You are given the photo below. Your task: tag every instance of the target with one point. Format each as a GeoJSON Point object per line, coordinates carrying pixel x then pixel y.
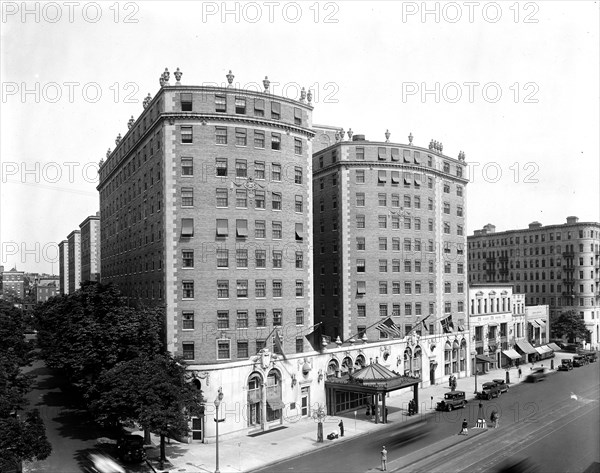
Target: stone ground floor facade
{"type": "Point", "coordinates": [269, 391]}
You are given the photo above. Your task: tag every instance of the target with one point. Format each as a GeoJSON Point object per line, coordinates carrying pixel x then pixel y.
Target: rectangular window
{"type": "Point", "coordinates": [277, 288]}
{"type": "Point", "coordinates": [407, 308]}
{"type": "Point", "coordinates": [259, 229]}
{"type": "Point", "coordinates": [222, 258]}
{"type": "Point", "coordinates": [297, 116]}
{"type": "Point", "coordinates": [221, 135]}
{"type": "Point", "coordinates": [277, 259]}
{"type": "Point", "coordinates": [187, 227]}
{"type": "Point", "coordinates": [360, 221]}
{"type": "Point", "coordinates": [261, 318]}
{"type": "Point", "coordinates": [240, 105]}
{"type": "Point", "coordinates": [383, 265]}
{"type": "Point", "coordinates": [297, 146]}
{"type": "Point", "coordinates": [241, 257]}
{"type": "Point", "coordinates": [299, 260]}
{"type": "Point", "coordinates": [223, 352]}
{"type": "Point", "coordinates": [276, 201]}
{"type": "Point", "coordinates": [188, 319]}
{"type": "Point", "coordinates": [382, 219]}
{"type": "Point", "coordinates": [275, 110]}
{"type": "Point", "coordinates": [259, 107]}
{"type": "Point", "coordinates": [242, 288]}
{"type": "Point", "coordinates": [382, 199]}
{"type": "Point", "coordinates": [275, 141]}
{"type": "Point", "coordinates": [221, 103]}
{"type": "Point", "coordinates": [187, 257]}
{"type": "Point", "coordinates": [186, 101]}
{"type": "Point", "coordinates": [298, 175]}
{"type": "Point", "coordinates": [277, 230]}
{"type": "Point", "coordinates": [187, 197]}
{"type": "Point", "coordinates": [186, 134]}
{"type": "Point", "coordinates": [383, 287]}
{"type": "Point", "coordinates": [242, 349]}
{"type": "Point", "coordinates": [222, 197]}
{"type": "Point", "coordinates": [259, 139]}
{"type": "Point", "coordinates": [298, 204]}
{"type": "Point", "coordinates": [259, 199]}
{"type": "Point", "coordinates": [241, 168]}
{"type": "Point", "coordinates": [277, 317]}
{"type": "Point", "coordinates": [381, 177]}
{"type": "Point", "coordinates": [360, 153]}
{"type": "Point", "coordinates": [299, 316]}
{"type": "Point", "coordinates": [360, 199]}
{"type": "Point", "coordinates": [395, 265]}
{"type": "Point", "coordinates": [241, 198]}
{"type": "Point", "coordinates": [299, 288]}
{"type": "Point", "coordinates": [260, 257]}
{"type": "Point", "coordinates": [188, 289]}
{"type": "Point", "coordinates": [242, 319]}
{"type": "Point", "coordinates": [187, 166]}
{"type": "Point", "coordinates": [276, 172]}
{"type": "Point", "coordinates": [381, 154]}
{"type": "Point", "coordinates": [222, 289]}
{"type": "Point", "coordinates": [240, 136]}
{"type": "Point", "coordinates": [221, 166]}
{"type": "Point", "coordinates": [188, 350]}
{"type": "Point", "coordinates": [360, 177]}
{"type": "Point", "coordinates": [360, 243]}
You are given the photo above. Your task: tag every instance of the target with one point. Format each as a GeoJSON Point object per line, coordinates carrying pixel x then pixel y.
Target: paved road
{"type": "Point", "coordinates": [69, 429]}
{"type": "Point", "coordinates": [554, 424]}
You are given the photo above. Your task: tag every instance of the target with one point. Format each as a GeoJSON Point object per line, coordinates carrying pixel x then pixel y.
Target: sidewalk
{"type": "Point", "coordinates": [245, 453]}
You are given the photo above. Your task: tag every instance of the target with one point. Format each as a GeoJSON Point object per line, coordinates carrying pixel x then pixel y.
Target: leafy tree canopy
{"type": "Point", "coordinates": [571, 325]}
{"type": "Point", "coordinates": [24, 439]}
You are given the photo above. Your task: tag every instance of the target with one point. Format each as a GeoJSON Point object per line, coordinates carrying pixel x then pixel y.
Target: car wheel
{"type": "Point", "coordinates": [463, 404]}
{"type": "Point", "coordinates": [449, 408]}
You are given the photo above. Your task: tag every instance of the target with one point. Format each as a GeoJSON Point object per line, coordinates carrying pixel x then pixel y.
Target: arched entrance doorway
{"type": "Point", "coordinates": [255, 382]}
{"type": "Point", "coordinates": [274, 403]}
{"type": "Point", "coordinates": [407, 362]}
{"type": "Point", "coordinates": [417, 359]}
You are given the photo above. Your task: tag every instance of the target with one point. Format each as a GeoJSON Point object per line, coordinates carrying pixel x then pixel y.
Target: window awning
{"type": "Point", "coordinates": [222, 227]}
{"type": "Point", "coordinates": [382, 176]}
{"type": "Point", "coordinates": [525, 347]}
{"type": "Point", "coordinates": [395, 154]}
{"type": "Point", "coordinates": [241, 227]}
{"type": "Point", "coordinates": [381, 153]}
{"type": "Point", "coordinates": [276, 107]}
{"type": "Point", "coordinates": [547, 349]}
{"type": "Point", "coordinates": [512, 354]}
{"type": "Point", "coordinates": [361, 287]}
{"type": "Point", "coordinates": [540, 350]}
{"type": "Point", "coordinates": [417, 156]}
{"type": "Point", "coordinates": [554, 346]}
{"type": "Point", "coordinates": [417, 179]}
{"type": "Point", "coordinates": [259, 104]}
{"type": "Point", "coordinates": [406, 156]}
{"type": "Point", "coordinates": [533, 323]}
{"type": "Point", "coordinates": [275, 404]}
{"type": "Point", "coordinates": [395, 177]}
{"type": "Point", "coordinates": [297, 112]}
{"type": "Point", "coordinates": [541, 322]}
{"type": "Point", "coordinates": [187, 227]}
{"type": "Point", "coordinates": [407, 178]}
{"type": "Point", "coordinates": [299, 231]}
{"type": "Point", "coordinates": [485, 359]}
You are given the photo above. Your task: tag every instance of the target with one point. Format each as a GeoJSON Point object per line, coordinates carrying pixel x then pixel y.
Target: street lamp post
{"type": "Point", "coordinates": [474, 353]}
{"type": "Point", "coordinates": [218, 400]}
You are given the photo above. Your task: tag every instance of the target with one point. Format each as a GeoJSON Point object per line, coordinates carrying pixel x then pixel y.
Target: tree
{"type": "Point", "coordinates": [19, 439]}
{"type": "Point", "coordinates": [93, 329]}
{"type": "Point", "coordinates": [571, 325]}
{"type": "Point", "coordinates": [152, 392]}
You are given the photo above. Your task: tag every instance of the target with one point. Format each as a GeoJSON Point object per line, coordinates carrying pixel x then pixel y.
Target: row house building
{"type": "Point", "coordinates": [554, 265]}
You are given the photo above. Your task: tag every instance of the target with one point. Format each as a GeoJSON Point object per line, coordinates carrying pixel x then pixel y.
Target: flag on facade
{"type": "Point", "coordinates": [278, 345]}
{"type": "Point", "coordinates": [315, 337]}
{"type": "Point", "coordinates": [388, 326]}
{"type": "Point", "coordinates": [447, 324]}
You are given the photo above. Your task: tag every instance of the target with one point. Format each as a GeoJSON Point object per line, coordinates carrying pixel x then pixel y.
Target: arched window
{"type": "Point", "coordinates": [407, 361]}
{"type": "Point", "coordinates": [254, 399]}
{"type": "Point", "coordinates": [463, 356]}
{"type": "Point", "coordinates": [332, 368]}
{"type": "Point", "coordinates": [447, 358]}
{"type": "Point", "coordinates": [346, 364]}
{"type": "Point", "coordinates": [455, 357]}
{"type": "Point", "coordinates": [274, 404]}
{"type": "Point", "coordinates": [417, 361]}
{"type": "Point", "coordinates": [359, 363]}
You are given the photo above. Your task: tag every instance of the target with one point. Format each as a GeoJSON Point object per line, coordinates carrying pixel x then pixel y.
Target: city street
{"type": "Point", "coordinates": [554, 424]}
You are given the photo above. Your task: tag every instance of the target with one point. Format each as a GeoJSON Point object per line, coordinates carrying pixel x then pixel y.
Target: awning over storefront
{"type": "Point", "coordinates": [492, 347]}
{"type": "Point", "coordinates": [512, 354]}
{"type": "Point", "coordinates": [554, 346]}
{"type": "Point", "coordinates": [275, 404]}
{"type": "Point", "coordinates": [526, 347]}
{"type": "Point", "coordinates": [533, 323]}
{"type": "Point", "coordinates": [485, 359]}
{"type": "Point", "coordinates": [539, 350]}
{"type": "Point", "coordinates": [541, 322]}
{"type": "Point", "coordinates": [547, 349]}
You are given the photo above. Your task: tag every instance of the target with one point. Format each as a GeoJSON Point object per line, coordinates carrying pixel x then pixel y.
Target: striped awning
{"type": "Point", "coordinates": [512, 354]}
{"type": "Point", "coordinates": [540, 350]}
{"type": "Point", "coordinates": [525, 347]}
{"type": "Point", "coordinates": [534, 323]}
{"type": "Point", "coordinates": [554, 346]}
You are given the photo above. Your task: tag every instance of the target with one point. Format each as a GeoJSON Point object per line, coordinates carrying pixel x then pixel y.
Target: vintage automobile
{"type": "Point", "coordinates": [452, 400]}
{"type": "Point", "coordinates": [488, 391]}
{"type": "Point", "coordinates": [565, 365]}
{"type": "Point", "coordinates": [579, 361]}
{"type": "Point", "coordinates": [502, 386]}
{"type": "Point", "coordinates": [130, 448]}
{"type": "Point", "coordinates": [592, 357]}
{"type": "Point", "coordinates": [538, 374]}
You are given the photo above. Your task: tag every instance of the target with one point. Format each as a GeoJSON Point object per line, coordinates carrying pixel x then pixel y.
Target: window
{"type": "Point", "coordinates": [188, 289]}
{"type": "Point", "coordinates": [220, 103]}
{"type": "Point", "coordinates": [297, 146]}
{"type": "Point", "coordinates": [299, 260]}
{"type": "Point", "coordinates": [260, 257]}
{"type": "Point", "coordinates": [242, 349]}
{"type": "Point", "coordinates": [260, 288]}
{"type": "Point", "coordinates": [299, 345]}
{"type": "Point", "coordinates": [360, 266]}
{"type": "Point", "coordinates": [221, 166]}
{"type": "Point", "coordinates": [241, 257]}
{"type": "Point", "coordinates": [222, 258]}
{"type": "Point", "coordinates": [446, 228]}
{"type": "Point", "coordinates": [383, 265]}
{"type": "Point", "coordinates": [459, 191]}
{"type": "Point", "coordinates": [447, 208]}
{"type": "Point", "coordinates": [299, 288]}
{"type": "Point", "coordinates": [276, 172]}
{"type": "Point", "coordinates": [277, 288]}
{"type": "Point", "coordinates": [277, 259]}
{"type": "Point", "coordinates": [276, 201]}
{"type": "Point", "coordinates": [381, 154]}
{"type": "Point", "coordinates": [186, 102]}
{"type": "Point", "coordinates": [275, 141]}
{"type": "Point", "coordinates": [407, 266]}
{"type": "Point", "coordinates": [446, 188]}
{"type": "Point", "coordinates": [241, 168]}
{"type": "Point", "coordinates": [395, 265]}
{"type": "Point", "coordinates": [223, 289]}
{"type": "Point", "coordinates": [275, 110]}
{"type": "Point", "coordinates": [299, 232]}
{"type": "Point", "coordinates": [277, 316]}
{"type": "Point", "coordinates": [360, 153]}
{"type": "Point", "coordinates": [261, 318]}
{"type": "Point", "coordinates": [417, 202]}
{"type": "Point", "coordinates": [187, 197]}
{"type": "Point", "coordinates": [460, 230]}
{"type": "Point", "coordinates": [382, 198]}
{"type": "Point", "coordinates": [383, 287]}
{"type": "Point", "coordinates": [408, 287]}
{"type": "Point", "coordinates": [360, 221]}
{"type": "Point", "coordinates": [223, 352]}
{"type": "Point", "coordinates": [259, 229]}
{"type": "Point", "coordinates": [187, 257]}
{"type": "Point", "coordinates": [186, 134]}
{"type": "Point", "coordinates": [241, 198]}
{"type": "Point", "coordinates": [259, 199]}
{"type": "Point", "coordinates": [382, 243]}
{"type": "Point", "coordinates": [360, 199]}
{"type": "Point", "coordinates": [259, 107]}
{"type": "Point", "coordinates": [188, 319]}
{"type": "Point", "coordinates": [240, 105]}
{"type": "Point", "coordinates": [382, 219]}
{"type": "Point", "coordinates": [222, 197]}
{"type": "Point", "coordinates": [407, 223]}
{"type": "Point", "coordinates": [298, 204]}
{"type": "Point", "coordinates": [187, 166]}
{"type": "Point", "coordinates": [447, 167]}
{"type": "Point", "coordinates": [459, 211]}
{"type": "Point", "coordinates": [188, 350]}
{"type": "Point", "coordinates": [277, 230]}
{"type": "Point", "coordinates": [187, 227]}
{"type": "Point", "coordinates": [297, 116]}
{"type": "Point", "coordinates": [242, 288]}
{"type": "Point", "coordinates": [360, 176]}
{"type": "Point", "coordinates": [242, 319]}
{"type": "Point", "coordinates": [299, 316]}
{"type": "Point", "coordinates": [240, 137]}
{"type": "Point", "coordinates": [408, 308]}
{"type": "Point", "coordinates": [221, 135]}
{"type": "Point", "coordinates": [381, 177]}
{"type": "Point", "coordinates": [259, 139]}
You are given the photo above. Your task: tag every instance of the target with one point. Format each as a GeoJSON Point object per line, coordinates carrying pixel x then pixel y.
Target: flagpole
{"type": "Point", "coordinates": [372, 325]}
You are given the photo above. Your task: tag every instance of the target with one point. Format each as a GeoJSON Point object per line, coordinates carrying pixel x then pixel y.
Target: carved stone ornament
{"type": "Point", "coordinates": [202, 375]}
{"type": "Point", "coordinates": [166, 76]}
{"type": "Point", "coordinates": [108, 152]}
{"type": "Point", "coordinates": [230, 78]}
{"type": "Point", "coordinates": [178, 75]}
{"type": "Point", "coordinates": [118, 139]}
{"type": "Point", "coordinates": [350, 133]}
{"type": "Point", "coordinates": [303, 95]}
{"type": "Point", "coordinates": [147, 100]}
{"type": "Point", "coordinates": [410, 138]}
{"type": "Point", "coordinates": [266, 84]}
{"type": "Point", "coordinates": [387, 136]}
{"type": "Point", "coordinates": [130, 122]}
{"type": "Point", "coordinates": [309, 96]}
{"type": "Point", "coordinates": [265, 358]}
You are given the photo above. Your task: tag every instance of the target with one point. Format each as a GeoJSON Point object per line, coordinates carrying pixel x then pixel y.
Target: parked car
{"type": "Point", "coordinates": [130, 448]}
{"type": "Point", "coordinates": [571, 347]}
{"type": "Point", "coordinates": [579, 361]}
{"type": "Point", "coordinates": [502, 386]}
{"type": "Point", "coordinates": [536, 375]}
{"type": "Point", "coordinates": [488, 391]}
{"type": "Point", "coordinates": [452, 400]}
{"type": "Point", "coordinates": [565, 365]}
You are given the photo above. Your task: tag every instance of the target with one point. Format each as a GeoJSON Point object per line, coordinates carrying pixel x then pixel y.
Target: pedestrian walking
{"type": "Point", "coordinates": [383, 459]}
{"type": "Point", "coordinates": [495, 418]}
{"type": "Point", "coordinates": [519, 373]}
{"type": "Point", "coordinates": [464, 430]}
{"type": "Point", "coordinates": [341, 426]}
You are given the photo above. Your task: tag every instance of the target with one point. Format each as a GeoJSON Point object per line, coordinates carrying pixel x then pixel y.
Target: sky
{"type": "Point", "coordinates": [513, 85]}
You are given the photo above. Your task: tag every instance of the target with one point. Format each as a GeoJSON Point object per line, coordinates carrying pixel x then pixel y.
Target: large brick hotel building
{"type": "Point", "coordinates": [205, 206]}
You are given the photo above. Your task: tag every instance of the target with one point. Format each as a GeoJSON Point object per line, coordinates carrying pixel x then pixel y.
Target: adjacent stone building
{"type": "Point", "coordinates": [90, 248]}
{"type": "Point", "coordinates": [74, 260]}
{"type": "Point", "coordinates": [63, 266]}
